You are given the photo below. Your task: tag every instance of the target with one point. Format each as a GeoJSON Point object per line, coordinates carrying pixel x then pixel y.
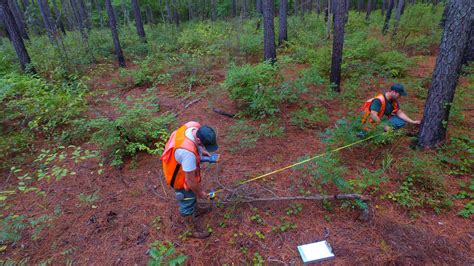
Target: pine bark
{"type": "Point", "coordinates": [175, 13]}
{"type": "Point", "coordinates": [269, 31]}
{"type": "Point", "coordinates": [387, 17]}
{"type": "Point", "coordinates": [397, 17]}
{"type": "Point", "coordinates": [48, 24]}
{"type": "Point", "coordinates": [369, 9]}
{"type": "Point", "coordinates": [469, 53]}
{"type": "Point", "coordinates": [115, 37]}
{"type": "Point", "coordinates": [233, 8]}
{"type": "Point", "coordinates": [259, 7]}
{"type": "Point", "coordinates": [19, 19]}
{"type": "Point", "coordinates": [282, 22]}
{"type": "Point", "coordinates": [15, 36]}
{"type": "Point", "coordinates": [138, 20]}
{"type": "Point", "coordinates": [338, 43]}
{"type": "Point", "coordinates": [455, 38]}
{"type": "Point", "coordinates": [58, 16]}
{"type": "Point", "coordinates": [213, 10]}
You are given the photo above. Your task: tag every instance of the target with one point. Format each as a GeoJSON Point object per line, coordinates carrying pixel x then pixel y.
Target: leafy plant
{"type": "Point", "coordinates": [253, 87]}
{"type": "Point", "coordinates": [89, 198]}
{"type": "Point", "coordinates": [162, 253]}
{"type": "Point", "coordinates": [136, 129]}
{"type": "Point", "coordinates": [12, 226]}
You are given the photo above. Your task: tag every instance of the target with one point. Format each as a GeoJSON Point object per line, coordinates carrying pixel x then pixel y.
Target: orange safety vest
{"type": "Point", "coordinates": [366, 108]}
{"type": "Point", "coordinates": [174, 174]}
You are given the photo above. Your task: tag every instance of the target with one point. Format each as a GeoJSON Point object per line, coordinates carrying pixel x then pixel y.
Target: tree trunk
{"type": "Point", "coordinates": [446, 73]}
{"type": "Point", "coordinates": [58, 15]}
{"type": "Point", "coordinates": [115, 37]}
{"type": "Point", "coordinates": [15, 36]}
{"type": "Point", "coordinates": [397, 17]}
{"type": "Point", "coordinates": [68, 13]}
{"type": "Point", "coordinates": [99, 11]}
{"type": "Point", "coordinates": [169, 14]}
{"type": "Point", "coordinates": [84, 14]}
{"type": "Point", "coordinates": [175, 13]}
{"type": "Point", "coordinates": [259, 7]}
{"type": "Point", "coordinates": [469, 53]}
{"type": "Point", "coordinates": [234, 8]}
{"type": "Point", "coordinates": [384, 4]}
{"type": "Point", "coordinates": [48, 25]}
{"type": "Point", "coordinates": [369, 9]}
{"type": "Point", "coordinates": [19, 19]}
{"type": "Point", "coordinates": [244, 9]}
{"type": "Point", "coordinates": [295, 7]}
{"type": "Point", "coordinates": [138, 20]}
{"type": "Point", "coordinates": [338, 43]}
{"type": "Point", "coordinates": [213, 10]}
{"type": "Point", "coordinates": [149, 15]}
{"type": "Point", "coordinates": [269, 31]}
{"type": "Point", "coordinates": [283, 25]}
{"type": "Point", "coordinates": [387, 17]}
{"type": "Point", "coordinates": [319, 8]}
{"type": "Point", "coordinates": [329, 17]}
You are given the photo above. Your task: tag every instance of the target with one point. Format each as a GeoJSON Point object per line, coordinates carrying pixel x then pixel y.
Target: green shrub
{"type": "Point", "coordinates": [250, 44]}
{"type": "Point", "coordinates": [135, 129]}
{"type": "Point", "coordinates": [392, 63]}
{"type": "Point", "coordinates": [253, 87]}
{"type": "Point", "coordinates": [423, 185]}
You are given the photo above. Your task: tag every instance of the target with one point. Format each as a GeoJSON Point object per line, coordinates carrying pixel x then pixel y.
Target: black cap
{"type": "Point", "coordinates": [399, 88]}
{"type": "Point", "coordinates": [207, 135]}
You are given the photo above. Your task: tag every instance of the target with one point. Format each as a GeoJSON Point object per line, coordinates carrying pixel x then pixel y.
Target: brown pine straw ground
{"type": "Point", "coordinates": [120, 229]}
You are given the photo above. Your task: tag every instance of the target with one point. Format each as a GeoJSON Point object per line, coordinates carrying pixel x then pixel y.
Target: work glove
{"type": "Point", "coordinates": [214, 158]}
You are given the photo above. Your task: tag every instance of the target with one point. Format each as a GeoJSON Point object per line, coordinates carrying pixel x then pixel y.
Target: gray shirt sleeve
{"type": "Point", "coordinates": [186, 158]}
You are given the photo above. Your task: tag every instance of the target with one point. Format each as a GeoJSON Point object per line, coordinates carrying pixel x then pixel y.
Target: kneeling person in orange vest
{"type": "Point", "coordinates": [386, 104]}
{"type": "Point", "coordinates": [187, 147]}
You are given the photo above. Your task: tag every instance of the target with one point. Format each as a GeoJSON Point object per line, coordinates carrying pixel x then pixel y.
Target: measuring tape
{"type": "Point", "coordinates": [212, 195]}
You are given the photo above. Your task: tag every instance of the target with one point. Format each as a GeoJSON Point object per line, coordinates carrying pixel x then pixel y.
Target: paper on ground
{"type": "Point", "coordinates": [315, 251]}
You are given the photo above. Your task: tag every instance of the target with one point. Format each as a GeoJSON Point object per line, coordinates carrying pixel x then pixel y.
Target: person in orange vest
{"type": "Point", "coordinates": [187, 147]}
{"type": "Point", "coordinates": [386, 104]}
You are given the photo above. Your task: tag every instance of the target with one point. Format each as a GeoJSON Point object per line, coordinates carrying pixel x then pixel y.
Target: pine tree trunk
{"type": "Point", "coordinates": [319, 8]}
{"type": "Point", "coordinates": [269, 48]}
{"type": "Point", "coordinates": [387, 17]}
{"type": "Point", "coordinates": [213, 10]}
{"type": "Point", "coordinates": [68, 13]}
{"type": "Point", "coordinates": [283, 24]}
{"type": "Point", "coordinates": [99, 11]}
{"type": "Point", "coordinates": [234, 8]}
{"type": "Point", "coordinates": [84, 14]}
{"type": "Point", "coordinates": [329, 17]}
{"type": "Point", "coordinates": [19, 19]}
{"type": "Point", "coordinates": [259, 7]}
{"type": "Point", "coordinates": [446, 73]}
{"type": "Point", "coordinates": [244, 9]}
{"type": "Point", "coordinates": [58, 15]}
{"type": "Point", "coordinates": [175, 13]}
{"type": "Point", "coordinates": [48, 25]}
{"type": "Point", "coordinates": [190, 10]}
{"type": "Point", "coordinates": [138, 20]}
{"type": "Point", "coordinates": [338, 43]}
{"type": "Point", "coordinates": [149, 15]}
{"type": "Point", "coordinates": [169, 14]}
{"type": "Point", "coordinates": [469, 53]}
{"type": "Point", "coordinates": [384, 4]}
{"type": "Point", "coordinates": [115, 37]}
{"type": "Point", "coordinates": [397, 17]}
{"type": "Point", "coordinates": [369, 9]}
{"type": "Point", "coordinates": [295, 7]}
{"type": "Point", "coordinates": [15, 36]}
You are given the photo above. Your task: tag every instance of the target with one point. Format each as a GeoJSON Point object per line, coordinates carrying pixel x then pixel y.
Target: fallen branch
{"type": "Point", "coordinates": [224, 113]}
{"type": "Point", "coordinates": [192, 102]}
{"type": "Point", "coordinates": [317, 197]}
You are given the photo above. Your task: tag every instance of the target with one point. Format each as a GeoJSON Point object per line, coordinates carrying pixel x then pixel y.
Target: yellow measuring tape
{"type": "Point", "coordinates": [212, 194]}
{"type": "Point", "coordinates": [301, 162]}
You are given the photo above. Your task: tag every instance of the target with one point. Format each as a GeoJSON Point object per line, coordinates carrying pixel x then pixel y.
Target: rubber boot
{"type": "Point", "coordinates": [196, 230]}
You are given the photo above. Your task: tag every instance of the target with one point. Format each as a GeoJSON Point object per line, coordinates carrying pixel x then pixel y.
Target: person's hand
{"type": "Point", "coordinates": [203, 195]}
{"type": "Point", "coordinates": [417, 122]}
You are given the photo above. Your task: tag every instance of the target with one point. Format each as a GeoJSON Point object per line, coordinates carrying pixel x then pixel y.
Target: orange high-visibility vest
{"type": "Point", "coordinates": [174, 174]}
{"type": "Point", "coordinates": [366, 108]}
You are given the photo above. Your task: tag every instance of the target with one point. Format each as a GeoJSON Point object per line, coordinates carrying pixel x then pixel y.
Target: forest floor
{"type": "Point", "coordinates": [135, 208]}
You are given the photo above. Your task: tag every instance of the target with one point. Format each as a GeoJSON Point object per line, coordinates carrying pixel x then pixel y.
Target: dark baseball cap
{"type": "Point", "coordinates": [399, 88]}
{"type": "Point", "coordinates": [207, 135]}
